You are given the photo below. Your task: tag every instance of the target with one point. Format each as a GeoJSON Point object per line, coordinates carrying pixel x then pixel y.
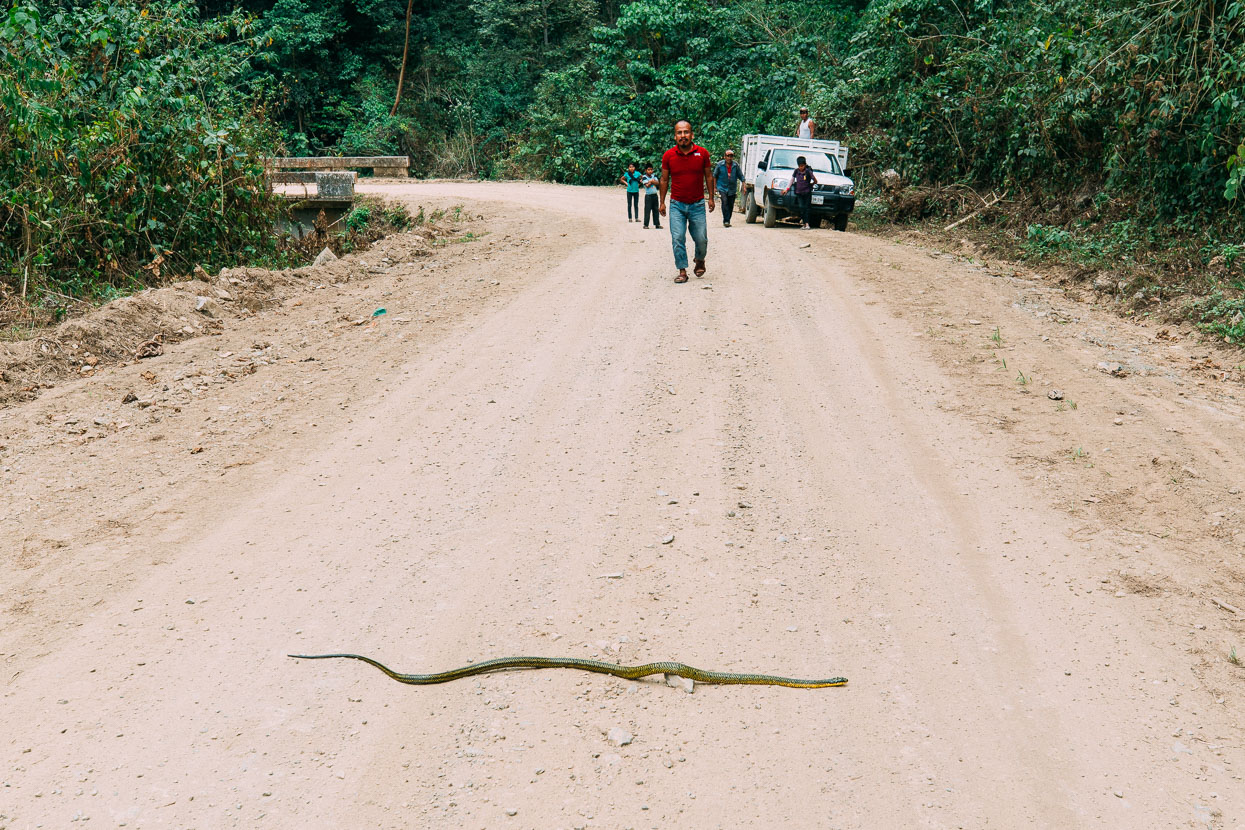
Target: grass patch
{"type": "Point", "coordinates": [1223, 316]}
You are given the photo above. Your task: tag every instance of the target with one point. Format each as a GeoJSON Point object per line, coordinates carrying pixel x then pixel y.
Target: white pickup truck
{"type": "Point", "coordinates": [767, 162]}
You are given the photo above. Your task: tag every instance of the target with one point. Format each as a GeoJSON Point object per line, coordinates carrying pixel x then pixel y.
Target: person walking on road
{"type": "Point", "coordinates": [686, 176]}
{"type": "Point", "coordinates": [802, 179]}
{"type": "Point", "coordinates": [650, 182]}
{"type": "Point", "coordinates": [807, 127]}
{"type": "Point", "coordinates": [632, 180]}
{"type": "Point", "coordinates": [726, 177]}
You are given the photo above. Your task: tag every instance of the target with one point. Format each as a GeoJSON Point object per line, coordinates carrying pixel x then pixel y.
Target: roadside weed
{"type": "Point", "coordinates": [1233, 657]}
{"type": "Point", "coordinates": [997, 337]}
{"type": "Point", "coordinates": [358, 218]}
{"type": "Point", "coordinates": [1021, 379]}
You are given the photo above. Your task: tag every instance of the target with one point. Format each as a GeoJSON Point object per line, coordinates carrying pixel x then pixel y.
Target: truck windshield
{"type": "Point", "coordinates": [821, 162]}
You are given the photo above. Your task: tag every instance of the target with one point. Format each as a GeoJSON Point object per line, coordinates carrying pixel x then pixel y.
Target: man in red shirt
{"type": "Point", "coordinates": [687, 175]}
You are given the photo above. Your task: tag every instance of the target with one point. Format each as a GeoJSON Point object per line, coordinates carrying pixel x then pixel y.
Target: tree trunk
{"type": "Point", "coordinates": [406, 45]}
{"type": "Point", "coordinates": [28, 243]}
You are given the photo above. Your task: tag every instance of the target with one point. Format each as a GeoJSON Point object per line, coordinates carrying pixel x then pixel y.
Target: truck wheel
{"type": "Point", "coordinates": [771, 213]}
{"type": "Point", "coordinates": [751, 211]}
{"type": "Point", "coordinates": [840, 222]}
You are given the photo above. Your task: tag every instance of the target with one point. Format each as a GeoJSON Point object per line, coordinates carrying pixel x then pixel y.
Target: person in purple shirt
{"type": "Point", "coordinates": [802, 179]}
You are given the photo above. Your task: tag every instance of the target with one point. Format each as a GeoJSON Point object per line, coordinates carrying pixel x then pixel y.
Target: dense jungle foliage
{"type": "Point", "coordinates": [131, 128]}
{"type": "Point", "coordinates": [129, 139]}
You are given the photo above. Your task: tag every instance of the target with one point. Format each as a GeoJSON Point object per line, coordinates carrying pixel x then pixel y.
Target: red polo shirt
{"type": "Point", "coordinates": [687, 173]}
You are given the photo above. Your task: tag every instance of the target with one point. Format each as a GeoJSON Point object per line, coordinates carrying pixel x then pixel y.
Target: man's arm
{"type": "Point", "coordinates": [662, 187]}
{"type": "Point", "coordinates": [812, 128]}
{"type": "Point", "coordinates": [709, 186]}
{"type": "Point", "coordinates": [790, 182]}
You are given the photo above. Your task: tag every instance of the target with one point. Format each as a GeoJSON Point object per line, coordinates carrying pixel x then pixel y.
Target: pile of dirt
{"type": "Point", "coordinates": [908, 202]}
{"type": "Point", "coordinates": [133, 328]}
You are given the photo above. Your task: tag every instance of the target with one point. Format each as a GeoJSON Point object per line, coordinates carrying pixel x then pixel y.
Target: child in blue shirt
{"type": "Point", "coordinates": [632, 180]}
{"type": "Point", "coordinates": [650, 182]}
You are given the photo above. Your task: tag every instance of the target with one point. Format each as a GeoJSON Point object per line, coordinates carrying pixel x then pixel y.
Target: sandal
{"type": "Point", "coordinates": [682, 277]}
{"type": "Point", "coordinates": [700, 268]}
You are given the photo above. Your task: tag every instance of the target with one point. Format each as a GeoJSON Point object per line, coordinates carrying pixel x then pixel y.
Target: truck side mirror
{"type": "Point", "coordinates": [761, 165]}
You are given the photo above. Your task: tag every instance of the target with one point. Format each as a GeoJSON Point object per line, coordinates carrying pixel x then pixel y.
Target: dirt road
{"type": "Point", "coordinates": [850, 441]}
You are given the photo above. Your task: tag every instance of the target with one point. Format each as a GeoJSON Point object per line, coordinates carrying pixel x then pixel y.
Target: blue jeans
{"type": "Point", "coordinates": [686, 217]}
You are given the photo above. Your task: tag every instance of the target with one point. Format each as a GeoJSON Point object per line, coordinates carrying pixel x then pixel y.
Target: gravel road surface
{"type": "Point", "coordinates": [850, 441]}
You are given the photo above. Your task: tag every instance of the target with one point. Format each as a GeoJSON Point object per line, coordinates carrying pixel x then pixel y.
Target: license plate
{"type": "Point", "coordinates": [817, 200]}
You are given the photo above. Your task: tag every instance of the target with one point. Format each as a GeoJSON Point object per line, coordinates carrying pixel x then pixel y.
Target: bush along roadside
{"type": "Point", "coordinates": [130, 145]}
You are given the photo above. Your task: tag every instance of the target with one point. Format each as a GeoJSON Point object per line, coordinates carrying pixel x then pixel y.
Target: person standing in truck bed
{"type": "Point", "coordinates": [807, 127]}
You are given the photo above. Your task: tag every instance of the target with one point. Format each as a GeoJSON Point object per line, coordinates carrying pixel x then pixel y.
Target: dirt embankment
{"type": "Point", "coordinates": [1143, 271]}
{"type": "Point", "coordinates": [139, 326]}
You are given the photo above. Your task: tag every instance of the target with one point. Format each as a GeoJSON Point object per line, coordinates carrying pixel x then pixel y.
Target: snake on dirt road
{"type": "Point", "coordinates": [625, 672]}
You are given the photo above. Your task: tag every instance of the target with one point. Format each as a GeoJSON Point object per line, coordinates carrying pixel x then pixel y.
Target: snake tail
{"type": "Point", "coordinates": [596, 666]}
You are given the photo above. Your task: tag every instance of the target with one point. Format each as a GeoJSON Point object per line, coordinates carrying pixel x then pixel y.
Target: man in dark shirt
{"type": "Point", "coordinates": [727, 176]}
{"type": "Point", "coordinates": [803, 179]}
{"type": "Point", "coordinates": [687, 176]}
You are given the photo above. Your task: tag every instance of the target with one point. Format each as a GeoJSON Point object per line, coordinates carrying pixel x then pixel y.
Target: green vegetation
{"type": "Point", "coordinates": [128, 144]}
{"type": "Point", "coordinates": [1139, 109]}
{"type": "Point", "coordinates": [371, 219]}
{"type": "Point", "coordinates": [358, 218]}
{"type": "Point", "coordinates": [1224, 316]}
{"type": "Point", "coordinates": [1140, 103]}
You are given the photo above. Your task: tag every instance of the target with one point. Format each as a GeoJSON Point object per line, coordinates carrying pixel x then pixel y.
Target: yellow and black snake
{"type": "Point", "coordinates": [625, 672]}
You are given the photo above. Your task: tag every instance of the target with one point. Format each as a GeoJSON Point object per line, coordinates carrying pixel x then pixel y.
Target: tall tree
{"type": "Point", "coordinates": [406, 48]}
